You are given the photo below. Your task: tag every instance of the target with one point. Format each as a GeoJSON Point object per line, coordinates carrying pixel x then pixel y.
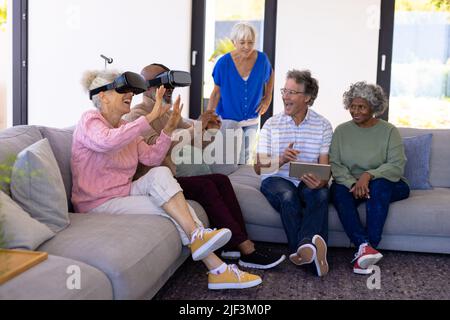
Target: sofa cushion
{"type": "Point", "coordinates": [440, 154]}
{"type": "Point", "coordinates": [425, 212]}
{"type": "Point", "coordinates": [247, 176]}
{"type": "Point", "coordinates": [255, 207]}
{"type": "Point", "coordinates": [12, 141]}
{"type": "Point", "coordinates": [17, 229]}
{"type": "Point", "coordinates": [134, 251]}
{"type": "Point", "coordinates": [37, 186]}
{"type": "Point", "coordinates": [418, 153]}
{"type": "Point", "coordinates": [188, 167]}
{"type": "Point", "coordinates": [226, 140]}
{"type": "Point", "coordinates": [61, 142]}
{"type": "Point", "coordinates": [48, 281]}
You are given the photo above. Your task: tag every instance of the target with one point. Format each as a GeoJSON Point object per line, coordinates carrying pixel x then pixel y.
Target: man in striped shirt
{"type": "Point", "coordinates": [298, 134]}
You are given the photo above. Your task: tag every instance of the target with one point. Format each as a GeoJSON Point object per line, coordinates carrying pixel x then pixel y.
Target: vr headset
{"type": "Point", "coordinates": [127, 82]}
{"type": "Point", "coordinates": [171, 80]}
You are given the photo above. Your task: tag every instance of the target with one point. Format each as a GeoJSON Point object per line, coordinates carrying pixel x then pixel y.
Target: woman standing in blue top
{"type": "Point", "coordinates": [243, 81]}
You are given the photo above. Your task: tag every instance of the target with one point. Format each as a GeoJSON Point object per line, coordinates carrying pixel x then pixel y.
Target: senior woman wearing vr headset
{"type": "Point", "coordinates": [213, 191]}
{"type": "Point", "coordinates": [105, 153]}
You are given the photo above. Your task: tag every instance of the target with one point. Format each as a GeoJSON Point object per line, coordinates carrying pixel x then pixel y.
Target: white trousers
{"type": "Point", "coordinates": [148, 195]}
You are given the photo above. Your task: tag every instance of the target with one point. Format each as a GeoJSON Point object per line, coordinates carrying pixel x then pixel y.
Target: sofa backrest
{"type": "Point", "coordinates": [61, 142]}
{"type": "Point", "coordinates": [14, 140]}
{"type": "Point", "coordinates": [440, 154]}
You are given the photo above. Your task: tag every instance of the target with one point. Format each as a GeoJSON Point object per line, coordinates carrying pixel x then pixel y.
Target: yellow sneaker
{"type": "Point", "coordinates": [232, 278]}
{"type": "Point", "coordinates": [206, 241]}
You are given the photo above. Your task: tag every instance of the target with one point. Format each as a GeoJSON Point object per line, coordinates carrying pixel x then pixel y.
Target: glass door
{"type": "Point", "coordinates": [221, 16]}
{"type": "Point", "coordinates": [420, 80]}
{"type": "Point", "coordinates": [212, 21]}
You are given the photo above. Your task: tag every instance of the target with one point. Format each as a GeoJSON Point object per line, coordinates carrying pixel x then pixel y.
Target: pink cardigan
{"type": "Point", "coordinates": [104, 159]}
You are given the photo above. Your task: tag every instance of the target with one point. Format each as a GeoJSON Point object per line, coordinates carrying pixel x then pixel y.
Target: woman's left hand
{"type": "Point", "coordinates": [263, 107]}
{"type": "Point", "coordinates": [361, 189]}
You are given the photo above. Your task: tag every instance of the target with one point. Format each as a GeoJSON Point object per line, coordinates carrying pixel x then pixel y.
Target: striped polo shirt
{"type": "Point", "coordinates": [312, 138]}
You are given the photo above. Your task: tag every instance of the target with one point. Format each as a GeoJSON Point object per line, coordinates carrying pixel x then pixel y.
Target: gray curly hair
{"type": "Point", "coordinates": [95, 79]}
{"type": "Point", "coordinates": [372, 93]}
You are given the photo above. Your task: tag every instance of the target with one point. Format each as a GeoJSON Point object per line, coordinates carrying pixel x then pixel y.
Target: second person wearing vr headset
{"type": "Point", "coordinates": [213, 191]}
{"type": "Point", "coordinates": [105, 153]}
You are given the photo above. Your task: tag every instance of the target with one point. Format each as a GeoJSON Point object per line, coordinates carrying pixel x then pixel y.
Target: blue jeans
{"type": "Point", "coordinates": [382, 193]}
{"type": "Point", "coordinates": [304, 211]}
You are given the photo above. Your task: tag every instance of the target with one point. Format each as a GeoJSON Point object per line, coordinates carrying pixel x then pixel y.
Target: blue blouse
{"type": "Point", "coordinates": [239, 99]}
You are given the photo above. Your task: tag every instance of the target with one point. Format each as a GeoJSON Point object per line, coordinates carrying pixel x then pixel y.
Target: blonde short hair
{"type": "Point", "coordinates": [94, 79]}
{"type": "Point", "coordinates": [243, 31]}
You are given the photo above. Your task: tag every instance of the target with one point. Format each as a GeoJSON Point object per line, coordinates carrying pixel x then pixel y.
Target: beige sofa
{"type": "Point", "coordinates": [132, 257]}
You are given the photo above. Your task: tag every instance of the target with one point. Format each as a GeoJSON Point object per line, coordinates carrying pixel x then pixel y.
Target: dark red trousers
{"type": "Point", "coordinates": [216, 195]}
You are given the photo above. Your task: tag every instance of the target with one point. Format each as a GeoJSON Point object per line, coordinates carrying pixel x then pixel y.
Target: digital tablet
{"type": "Point", "coordinates": [299, 169]}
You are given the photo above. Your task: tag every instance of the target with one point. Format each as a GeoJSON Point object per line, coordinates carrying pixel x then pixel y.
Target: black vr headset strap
{"type": "Point", "coordinates": [102, 88]}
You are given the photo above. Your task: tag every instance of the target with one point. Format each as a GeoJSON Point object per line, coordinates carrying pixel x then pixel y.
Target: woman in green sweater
{"type": "Point", "coordinates": [367, 162]}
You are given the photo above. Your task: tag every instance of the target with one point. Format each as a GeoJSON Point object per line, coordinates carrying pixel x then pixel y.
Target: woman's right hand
{"type": "Point", "coordinates": [175, 117]}
{"type": "Point", "coordinates": [158, 109]}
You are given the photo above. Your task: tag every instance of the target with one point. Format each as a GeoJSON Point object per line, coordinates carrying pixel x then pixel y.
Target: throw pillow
{"type": "Point", "coordinates": [189, 168]}
{"type": "Point", "coordinates": [418, 153]}
{"type": "Point", "coordinates": [18, 229]}
{"type": "Point", "coordinates": [37, 186]}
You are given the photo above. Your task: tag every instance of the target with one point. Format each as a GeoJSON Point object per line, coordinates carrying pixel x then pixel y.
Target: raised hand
{"type": "Point", "coordinates": [175, 117]}
{"type": "Point", "coordinates": [158, 109]}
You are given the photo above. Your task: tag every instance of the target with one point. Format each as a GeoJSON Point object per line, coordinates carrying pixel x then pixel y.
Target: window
{"type": "Point", "coordinates": [420, 80]}
{"type": "Point", "coordinates": [221, 16]}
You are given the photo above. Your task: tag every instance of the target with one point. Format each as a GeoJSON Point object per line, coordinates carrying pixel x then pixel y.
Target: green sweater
{"type": "Point", "coordinates": [377, 150]}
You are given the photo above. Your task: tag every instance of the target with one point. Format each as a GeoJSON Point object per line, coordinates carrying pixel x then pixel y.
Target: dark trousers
{"type": "Point", "coordinates": [216, 195]}
{"type": "Point", "coordinates": [304, 211]}
{"type": "Point", "coordinates": [382, 193]}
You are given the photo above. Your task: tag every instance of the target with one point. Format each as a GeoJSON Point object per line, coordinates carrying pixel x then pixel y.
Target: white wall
{"type": "Point", "coordinates": [6, 71]}
{"type": "Point", "coordinates": [4, 65]}
{"type": "Point", "coordinates": [67, 37]}
{"type": "Point", "coordinates": [336, 40]}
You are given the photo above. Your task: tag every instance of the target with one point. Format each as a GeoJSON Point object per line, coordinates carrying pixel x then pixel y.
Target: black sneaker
{"type": "Point", "coordinates": [261, 260]}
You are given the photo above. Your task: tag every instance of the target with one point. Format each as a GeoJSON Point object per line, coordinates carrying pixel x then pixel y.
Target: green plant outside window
{"type": "Point", "coordinates": [3, 15]}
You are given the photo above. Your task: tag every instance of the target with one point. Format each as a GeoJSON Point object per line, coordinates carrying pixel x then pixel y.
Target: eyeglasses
{"type": "Point", "coordinates": [288, 92]}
